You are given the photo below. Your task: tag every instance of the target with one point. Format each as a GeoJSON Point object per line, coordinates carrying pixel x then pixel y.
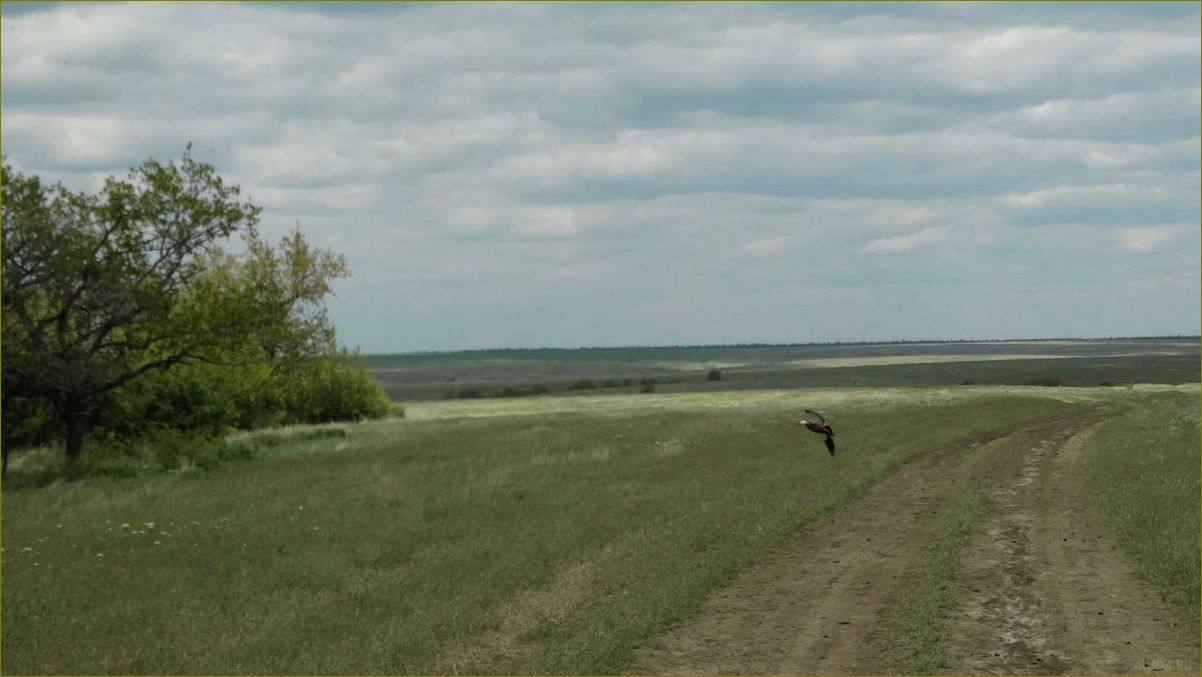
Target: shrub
{"type": "Point", "coordinates": [189, 399]}
{"type": "Point", "coordinates": [168, 449]}
{"type": "Point", "coordinates": [200, 399]}
{"type": "Point", "coordinates": [583, 384]}
{"type": "Point", "coordinates": [647, 388]}
{"type": "Point", "coordinates": [713, 375]}
{"type": "Point", "coordinates": [157, 451]}
{"type": "Point", "coordinates": [611, 383]}
{"type": "Point", "coordinates": [27, 422]}
{"type": "Point", "coordinates": [967, 382]}
{"type": "Point", "coordinates": [466, 394]}
{"type": "Point", "coordinates": [538, 389]}
{"type": "Point", "coordinates": [331, 389]}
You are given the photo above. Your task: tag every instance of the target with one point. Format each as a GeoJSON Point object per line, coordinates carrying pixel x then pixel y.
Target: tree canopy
{"type": "Point", "coordinates": [101, 290]}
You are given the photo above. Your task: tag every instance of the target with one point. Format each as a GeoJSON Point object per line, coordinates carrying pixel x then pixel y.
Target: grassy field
{"type": "Point", "coordinates": [543, 535]}
{"type": "Point", "coordinates": [625, 370]}
{"type": "Point", "coordinates": [1142, 473]}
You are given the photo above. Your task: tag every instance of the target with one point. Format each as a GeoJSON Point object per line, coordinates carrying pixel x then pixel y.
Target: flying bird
{"type": "Point", "coordinates": [814, 422]}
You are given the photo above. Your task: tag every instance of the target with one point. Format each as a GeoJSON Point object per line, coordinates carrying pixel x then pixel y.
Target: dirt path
{"type": "Point", "coordinates": [1044, 593]}
{"type": "Point", "coordinates": [810, 606]}
{"type": "Point", "coordinates": [1026, 594]}
{"type": "Point", "coordinates": [1002, 626]}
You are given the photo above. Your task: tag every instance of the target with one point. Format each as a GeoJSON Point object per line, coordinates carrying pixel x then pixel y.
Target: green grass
{"type": "Point", "coordinates": [1141, 476]}
{"type": "Point", "coordinates": [911, 633]}
{"type": "Point", "coordinates": [541, 543]}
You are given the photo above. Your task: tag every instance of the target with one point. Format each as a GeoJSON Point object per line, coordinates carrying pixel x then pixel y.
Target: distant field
{"type": "Point", "coordinates": [528, 372]}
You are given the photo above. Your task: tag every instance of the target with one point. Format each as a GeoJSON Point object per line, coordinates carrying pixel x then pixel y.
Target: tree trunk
{"type": "Point", "coordinates": [75, 419]}
{"type": "Point", "coordinates": [75, 431]}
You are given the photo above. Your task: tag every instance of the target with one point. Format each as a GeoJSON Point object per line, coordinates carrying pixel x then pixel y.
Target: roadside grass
{"type": "Point", "coordinates": [549, 543]}
{"type": "Point", "coordinates": [916, 623]}
{"type": "Point", "coordinates": [1141, 474]}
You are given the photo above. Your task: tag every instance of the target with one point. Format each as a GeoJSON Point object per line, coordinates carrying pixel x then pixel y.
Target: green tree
{"type": "Point", "coordinates": [92, 284]}
{"type": "Point", "coordinates": [292, 367]}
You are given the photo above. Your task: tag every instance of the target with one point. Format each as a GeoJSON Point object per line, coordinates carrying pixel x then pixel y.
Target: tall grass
{"type": "Point", "coordinates": [1141, 477]}
{"type": "Point", "coordinates": [550, 543]}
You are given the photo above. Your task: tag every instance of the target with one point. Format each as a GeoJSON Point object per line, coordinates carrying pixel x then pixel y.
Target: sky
{"type": "Point", "coordinates": [577, 174]}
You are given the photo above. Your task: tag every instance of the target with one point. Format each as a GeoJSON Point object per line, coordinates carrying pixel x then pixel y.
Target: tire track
{"type": "Point", "coordinates": [1043, 593]}
{"type": "Point", "coordinates": [810, 607]}
{"type": "Point", "coordinates": [1002, 627]}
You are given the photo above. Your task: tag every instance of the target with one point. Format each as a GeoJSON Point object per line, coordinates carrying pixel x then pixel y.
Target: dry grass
{"type": "Point", "coordinates": [784, 401]}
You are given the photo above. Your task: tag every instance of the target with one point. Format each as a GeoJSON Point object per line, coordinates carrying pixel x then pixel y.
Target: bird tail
{"type": "Point", "coordinates": [830, 444]}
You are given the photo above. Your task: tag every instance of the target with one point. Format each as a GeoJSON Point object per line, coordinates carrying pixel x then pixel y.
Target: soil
{"type": "Point", "coordinates": [1039, 591]}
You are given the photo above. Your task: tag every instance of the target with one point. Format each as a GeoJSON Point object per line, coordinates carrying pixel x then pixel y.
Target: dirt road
{"type": "Point", "coordinates": [1038, 591]}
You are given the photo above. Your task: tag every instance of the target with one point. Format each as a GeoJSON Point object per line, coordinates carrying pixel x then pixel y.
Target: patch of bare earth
{"type": "Point", "coordinates": [1039, 591]}
{"type": "Point", "coordinates": [811, 605]}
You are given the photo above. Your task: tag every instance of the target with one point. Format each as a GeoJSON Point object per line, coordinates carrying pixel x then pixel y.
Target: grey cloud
{"type": "Point", "coordinates": [656, 165]}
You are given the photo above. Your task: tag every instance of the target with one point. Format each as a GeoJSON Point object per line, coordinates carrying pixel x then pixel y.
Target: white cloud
{"type": "Point", "coordinates": [768, 246]}
{"type": "Point", "coordinates": [927, 237]}
{"type": "Point", "coordinates": [1143, 240]}
{"type": "Point", "coordinates": [549, 221]}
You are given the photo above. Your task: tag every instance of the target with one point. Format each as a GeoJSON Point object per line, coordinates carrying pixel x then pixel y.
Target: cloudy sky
{"type": "Point", "coordinates": [643, 174]}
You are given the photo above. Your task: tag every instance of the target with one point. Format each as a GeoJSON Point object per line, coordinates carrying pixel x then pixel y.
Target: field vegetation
{"type": "Point", "coordinates": [461, 539]}
{"type": "Point", "coordinates": [1142, 477]}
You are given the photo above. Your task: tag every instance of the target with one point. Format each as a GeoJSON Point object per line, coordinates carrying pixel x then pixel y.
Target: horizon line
{"type": "Point", "coordinates": [760, 344]}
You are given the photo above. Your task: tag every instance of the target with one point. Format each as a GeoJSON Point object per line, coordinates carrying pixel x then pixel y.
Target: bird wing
{"type": "Point", "coordinates": [820, 417]}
